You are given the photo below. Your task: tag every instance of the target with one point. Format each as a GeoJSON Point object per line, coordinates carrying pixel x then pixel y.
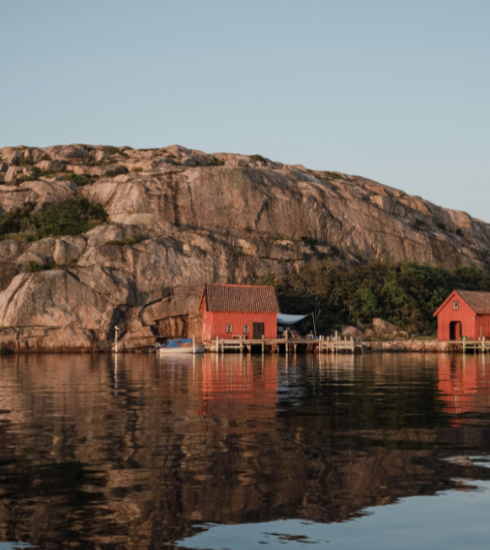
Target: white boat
{"type": "Point", "coordinates": [180, 346]}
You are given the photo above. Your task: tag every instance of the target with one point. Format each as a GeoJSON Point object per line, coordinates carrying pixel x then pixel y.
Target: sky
{"type": "Point", "coordinates": [394, 90]}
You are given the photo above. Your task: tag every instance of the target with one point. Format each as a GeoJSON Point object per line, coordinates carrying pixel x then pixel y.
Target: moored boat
{"type": "Point", "coordinates": [180, 346]}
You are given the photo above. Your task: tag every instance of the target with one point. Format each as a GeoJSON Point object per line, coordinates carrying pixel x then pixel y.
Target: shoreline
{"type": "Point", "coordinates": [389, 346]}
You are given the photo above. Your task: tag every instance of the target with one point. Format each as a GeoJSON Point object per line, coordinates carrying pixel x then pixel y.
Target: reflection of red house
{"type": "Point", "coordinates": [231, 311]}
{"type": "Point", "coordinates": [464, 313]}
{"type": "Point", "coordinates": [458, 382]}
{"type": "Point", "coordinates": [238, 394]}
{"type": "Point", "coordinates": [464, 384]}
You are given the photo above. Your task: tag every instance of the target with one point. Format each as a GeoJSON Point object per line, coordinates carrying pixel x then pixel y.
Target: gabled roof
{"type": "Point", "coordinates": [243, 298]}
{"type": "Point", "coordinates": [477, 300]}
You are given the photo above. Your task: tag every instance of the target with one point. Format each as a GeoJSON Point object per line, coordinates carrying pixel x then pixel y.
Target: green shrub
{"type": "Point", "coordinates": [70, 217]}
{"type": "Point", "coordinates": [419, 225]}
{"type": "Point", "coordinates": [116, 151]}
{"type": "Point", "coordinates": [11, 222]}
{"type": "Point", "coordinates": [442, 227]}
{"type": "Point", "coordinates": [79, 179]}
{"type": "Point", "coordinates": [25, 162]}
{"type": "Point", "coordinates": [258, 158]}
{"type": "Point", "coordinates": [38, 173]}
{"type": "Point", "coordinates": [34, 267]}
{"type": "Point", "coordinates": [335, 250]}
{"type": "Point", "coordinates": [459, 232]}
{"type": "Point", "coordinates": [310, 241]}
{"type": "Point", "coordinates": [333, 175]}
{"type": "Point", "coordinates": [127, 241]}
{"type": "Point", "coordinates": [215, 162]}
{"type": "Point", "coordinates": [403, 293]}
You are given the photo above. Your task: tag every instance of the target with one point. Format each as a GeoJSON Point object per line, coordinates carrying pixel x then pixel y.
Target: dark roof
{"type": "Point", "coordinates": [246, 298]}
{"type": "Point", "coordinates": [478, 300]}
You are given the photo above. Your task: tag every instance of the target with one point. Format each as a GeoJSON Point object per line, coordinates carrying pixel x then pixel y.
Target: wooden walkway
{"type": "Point", "coordinates": [475, 346]}
{"type": "Point", "coordinates": [288, 345]}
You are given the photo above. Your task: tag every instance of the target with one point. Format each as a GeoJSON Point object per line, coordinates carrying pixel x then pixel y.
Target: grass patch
{"type": "Point", "coordinates": [310, 241]}
{"type": "Point", "coordinates": [114, 173]}
{"type": "Point", "coordinates": [38, 173]}
{"type": "Point", "coordinates": [332, 175]}
{"type": "Point", "coordinates": [127, 241]}
{"type": "Point", "coordinates": [34, 267]}
{"type": "Point", "coordinates": [116, 151]}
{"type": "Point", "coordinates": [258, 158]}
{"type": "Point", "coordinates": [137, 169]}
{"type": "Point", "coordinates": [215, 162]}
{"type": "Point", "coordinates": [70, 217]}
{"type": "Point", "coordinates": [25, 162]}
{"type": "Point", "coordinates": [419, 225]}
{"type": "Point", "coordinates": [79, 179]}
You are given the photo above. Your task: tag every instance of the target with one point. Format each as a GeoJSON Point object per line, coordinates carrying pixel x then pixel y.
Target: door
{"type": "Point", "coordinates": [258, 330]}
{"type": "Point", "coordinates": [454, 330]}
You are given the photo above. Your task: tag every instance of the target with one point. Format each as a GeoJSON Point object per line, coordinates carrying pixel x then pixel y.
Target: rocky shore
{"type": "Point", "coordinates": [411, 346]}
{"type": "Point", "coordinates": [177, 218]}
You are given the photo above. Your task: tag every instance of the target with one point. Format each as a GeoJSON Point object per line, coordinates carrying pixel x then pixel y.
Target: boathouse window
{"type": "Point", "coordinates": [246, 329]}
{"type": "Point", "coordinates": [229, 329]}
{"type": "Point", "coordinates": [455, 305]}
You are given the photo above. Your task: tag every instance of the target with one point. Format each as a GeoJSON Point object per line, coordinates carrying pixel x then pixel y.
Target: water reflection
{"type": "Point", "coordinates": [151, 450]}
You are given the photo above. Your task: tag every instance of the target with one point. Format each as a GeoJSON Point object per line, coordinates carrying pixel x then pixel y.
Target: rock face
{"type": "Point", "coordinates": [179, 217]}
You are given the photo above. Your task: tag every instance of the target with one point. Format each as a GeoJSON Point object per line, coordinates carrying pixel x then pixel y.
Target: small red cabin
{"type": "Point", "coordinates": [232, 311]}
{"type": "Point", "coordinates": [464, 313]}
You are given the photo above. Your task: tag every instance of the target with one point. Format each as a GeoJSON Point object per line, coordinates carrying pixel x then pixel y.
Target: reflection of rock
{"type": "Point", "coordinates": [158, 447]}
{"type": "Point", "coordinates": [179, 217]}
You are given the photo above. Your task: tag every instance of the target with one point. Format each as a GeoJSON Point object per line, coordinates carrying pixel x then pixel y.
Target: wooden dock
{"type": "Point", "coordinates": [466, 345]}
{"type": "Point", "coordinates": [288, 345]}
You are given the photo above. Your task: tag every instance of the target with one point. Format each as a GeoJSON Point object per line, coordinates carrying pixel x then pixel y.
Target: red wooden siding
{"type": "Point", "coordinates": [447, 314]}
{"type": "Point", "coordinates": [238, 306]}
{"type": "Point", "coordinates": [214, 324]}
{"type": "Point", "coordinates": [473, 325]}
{"type": "Point", "coordinates": [482, 326]}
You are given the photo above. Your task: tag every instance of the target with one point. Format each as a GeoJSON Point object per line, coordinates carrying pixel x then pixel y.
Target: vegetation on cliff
{"type": "Point", "coordinates": [404, 293]}
{"type": "Point", "coordinates": [70, 217]}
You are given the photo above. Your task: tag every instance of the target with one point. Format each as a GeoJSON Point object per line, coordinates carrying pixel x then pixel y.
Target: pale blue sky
{"type": "Point", "coordinates": [397, 91]}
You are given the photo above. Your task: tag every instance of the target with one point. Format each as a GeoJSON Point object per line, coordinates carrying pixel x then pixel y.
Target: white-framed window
{"type": "Point", "coordinates": [455, 305]}
{"type": "Point", "coordinates": [229, 329]}
{"type": "Point", "coordinates": [246, 329]}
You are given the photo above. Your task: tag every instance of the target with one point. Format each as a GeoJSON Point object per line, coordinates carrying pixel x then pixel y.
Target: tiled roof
{"type": "Point", "coordinates": [478, 300]}
{"type": "Point", "coordinates": [258, 299]}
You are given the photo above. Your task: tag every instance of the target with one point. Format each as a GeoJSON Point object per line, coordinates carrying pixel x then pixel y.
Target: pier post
{"type": "Point", "coordinates": [464, 344]}
{"type": "Point", "coordinates": [483, 344]}
{"type": "Point", "coordinates": [193, 345]}
{"type": "Point", "coordinates": [116, 328]}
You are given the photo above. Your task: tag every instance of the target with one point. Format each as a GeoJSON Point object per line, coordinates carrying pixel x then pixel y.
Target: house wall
{"type": "Point", "coordinates": [214, 324]}
{"type": "Point", "coordinates": [464, 314]}
{"type": "Point", "coordinates": [483, 323]}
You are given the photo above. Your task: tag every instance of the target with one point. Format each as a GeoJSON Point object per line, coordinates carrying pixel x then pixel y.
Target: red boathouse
{"type": "Point", "coordinates": [464, 313]}
{"type": "Point", "coordinates": [232, 311]}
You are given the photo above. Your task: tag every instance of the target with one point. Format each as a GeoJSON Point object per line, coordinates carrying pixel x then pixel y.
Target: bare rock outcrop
{"type": "Point", "coordinates": [179, 217]}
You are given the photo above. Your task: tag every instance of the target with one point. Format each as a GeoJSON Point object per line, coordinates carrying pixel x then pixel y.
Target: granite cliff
{"type": "Point", "coordinates": [179, 217]}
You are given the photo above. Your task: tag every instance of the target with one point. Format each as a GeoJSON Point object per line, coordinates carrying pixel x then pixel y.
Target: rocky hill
{"type": "Point", "coordinates": [179, 217]}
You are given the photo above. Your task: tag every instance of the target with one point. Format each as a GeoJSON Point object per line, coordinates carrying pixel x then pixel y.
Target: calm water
{"type": "Point", "coordinates": [239, 452]}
